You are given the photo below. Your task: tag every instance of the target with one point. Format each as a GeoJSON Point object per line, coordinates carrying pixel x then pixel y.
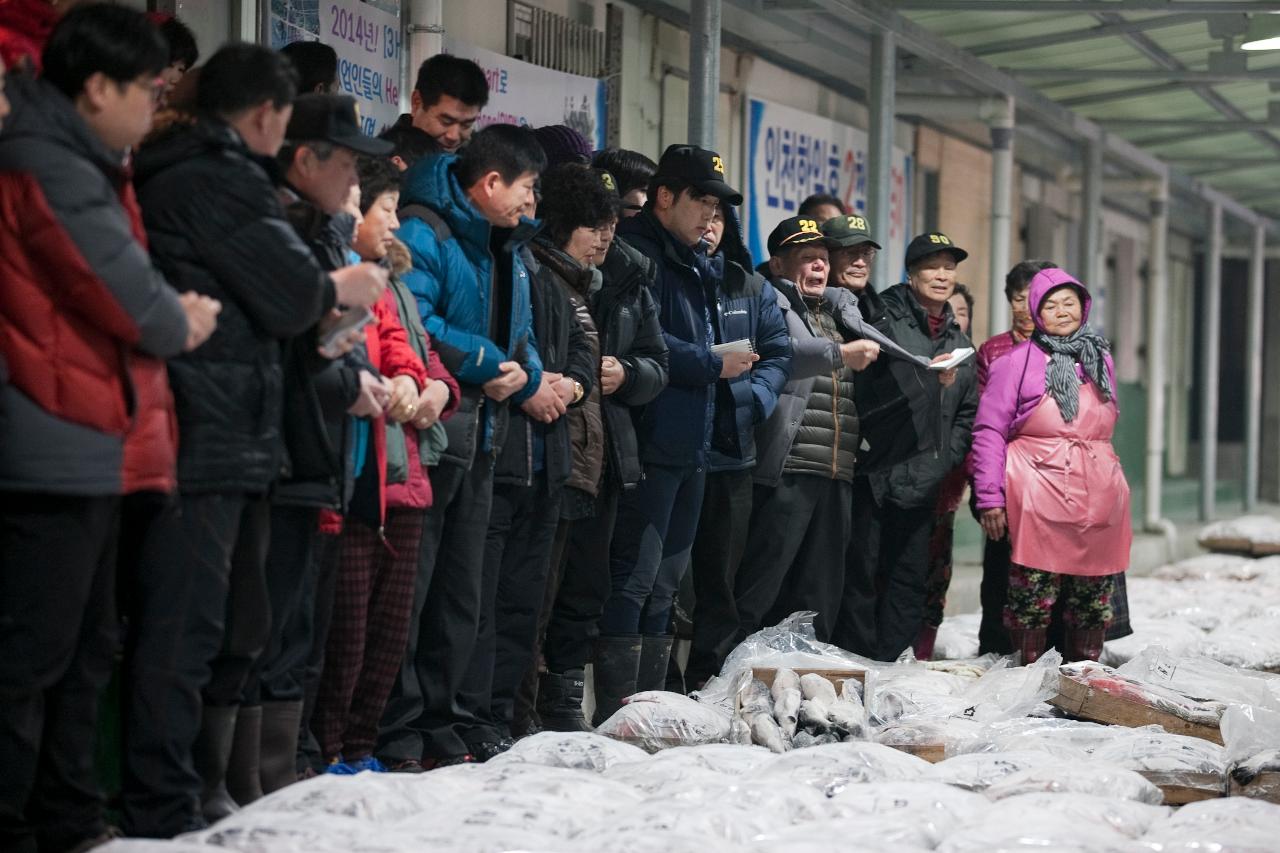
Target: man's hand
{"type": "Point", "coordinates": [994, 523]}
{"type": "Point", "coordinates": [402, 405]}
{"type": "Point", "coordinates": [431, 403]}
{"type": "Point", "coordinates": [373, 396]}
{"type": "Point", "coordinates": [202, 317]}
{"type": "Point", "coordinates": [545, 405]}
{"type": "Point", "coordinates": [562, 385]}
{"type": "Point", "coordinates": [734, 364]}
{"type": "Point", "coordinates": [612, 375]}
{"type": "Point", "coordinates": [359, 285]}
{"type": "Point", "coordinates": [343, 345]}
{"type": "Point", "coordinates": [946, 378]}
{"type": "Point", "coordinates": [510, 379]}
{"type": "Point", "coordinates": [858, 355]}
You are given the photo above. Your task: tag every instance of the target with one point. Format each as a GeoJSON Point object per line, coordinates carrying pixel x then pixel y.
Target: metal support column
{"type": "Point", "coordinates": [1001, 218]}
{"type": "Point", "coordinates": [1092, 261]}
{"type": "Point", "coordinates": [1253, 367]}
{"type": "Point", "coordinates": [1157, 357]}
{"type": "Point", "coordinates": [704, 72]}
{"type": "Point", "coordinates": [1210, 358]}
{"type": "Point", "coordinates": [880, 151]}
{"type": "Point", "coordinates": [423, 25]}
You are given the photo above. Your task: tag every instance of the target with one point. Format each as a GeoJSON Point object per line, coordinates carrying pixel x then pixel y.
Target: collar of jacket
{"type": "Point", "coordinates": [521, 235]}
{"type": "Point", "coordinates": [900, 301]}
{"type": "Point", "coordinates": [577, 275]}
{"type": "Point", "coordinates": [181, 142]}
{"type": "Point", "coordinates": [646, 225]}
{"type": "Point", "coordinates": [432, 182]}
{"type": "Point", "coordinates": [41, 111]}
{"type": "Point", "coordinates": [625, 269]}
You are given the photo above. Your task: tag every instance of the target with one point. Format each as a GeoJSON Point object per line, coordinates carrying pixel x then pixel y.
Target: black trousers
{"type": "Point", "coordinates": [198, 618]}
{"type": "Point", "coordinates": [855, 627]}
{"type": "Point", "coordinates": [292, 575]}
{"type": "Point", "coordinates": [422, 719]}
{"type": "Point", "coordinates": [799, 531]}
{"type": "Point", "coordinates": [58, 633]}
{"type": "Point", "coordinates": [517, 558]}
{"type": "Point", "coordinates": [903, 571]}
{"type": "Point", "coordinates": [325, 557]}
{"type": "Point", "coordinates": [584, 588]}
{"type": "Point", "coordinates": [717, 553]}
{"type": "Point", "coordinates": [993, 636]}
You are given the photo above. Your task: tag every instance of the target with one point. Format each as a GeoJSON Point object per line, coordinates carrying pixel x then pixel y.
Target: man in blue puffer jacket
{"type": "Point", "coordinates": [657, 519]}
{"type": "Point", "coordinates": [463, 227]}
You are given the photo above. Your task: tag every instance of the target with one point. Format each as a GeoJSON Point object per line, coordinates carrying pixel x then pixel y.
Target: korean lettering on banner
{"type": "Point", "coordinates": [793, 154]}
{"type": "Point", "coordinates": [532, 96]}
{"type": "Point", "coordinates": [368, 43]}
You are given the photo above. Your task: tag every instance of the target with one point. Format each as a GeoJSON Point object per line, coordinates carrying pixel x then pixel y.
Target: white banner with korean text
{"type": "Point", "coordinates": [368, 43]}
{"type": "Point", "coordinates": [532, 96]}
{"type": "Point", "coordinates": [792, 154]}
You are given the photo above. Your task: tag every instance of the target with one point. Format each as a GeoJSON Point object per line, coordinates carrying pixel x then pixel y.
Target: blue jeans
{"type": "Point", "coordinates": [652, 537]}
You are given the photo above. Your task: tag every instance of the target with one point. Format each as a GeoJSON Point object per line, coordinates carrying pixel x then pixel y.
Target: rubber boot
{"type": "Point", "coordinates": [1029, 643]}
{"type": "Point", "coordinates": [655, 658]}
{"type": "Point", "coordinates": [1083, 644]}
{"type": "Point", "coordinates": [279, 761]}
{"type": "Point", "coordinates": [923, 648]}
{"type": "Point", "coordinates": [211, 753]}
{"type": "Point", "coordinates": [244, 780]}
{"type": "Point", "coordinates": [560, 701]}
{"type": "Point", "coordinates": [616, 665]}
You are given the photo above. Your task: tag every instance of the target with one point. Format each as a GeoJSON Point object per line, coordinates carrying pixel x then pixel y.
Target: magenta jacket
{"type": "Point", "coordinates": [1015, 386]}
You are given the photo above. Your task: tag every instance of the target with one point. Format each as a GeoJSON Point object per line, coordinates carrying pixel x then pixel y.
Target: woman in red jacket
{"type": "Point", "coordinates": [383, 527]}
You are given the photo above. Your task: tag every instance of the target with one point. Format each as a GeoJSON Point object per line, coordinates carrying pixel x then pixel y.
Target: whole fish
{"type": "Point", "coordinates": [801, 740]}
{"type": "Point", "coordinates": [814, 686]}
{"type": "Point", "coordinates": [847, 718]}
{"type": "Point", "coordinates": [755, 699]}
{"type": "Point", "coordinates": [740, 732]}
{"type": "Point", "coordinates": [852, 689]}
{"type": "Point", "coordinates": [786, 710]}
{"type": "Point", "coordinates": [765, 731]}
{"type": "Point", "coordinates": [814, 716]}
{"type": "Point", "coordinates": [783, 680]}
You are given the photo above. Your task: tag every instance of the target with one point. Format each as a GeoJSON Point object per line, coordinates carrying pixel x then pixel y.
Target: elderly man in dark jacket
{"type": "Point", "coordinates": [656, 521]}
{"type": "Point", "coordinates": [799, 526]}
{"type": "Point", "coordinates": [884, 594]}
{"type": "Point", "coordinates": [216, 226]}
{"type": "Point", "coordinates": [749, 309]}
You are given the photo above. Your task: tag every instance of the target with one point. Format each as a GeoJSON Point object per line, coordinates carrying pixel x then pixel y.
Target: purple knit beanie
{"type": "Point", "coordinates": [563, 144]}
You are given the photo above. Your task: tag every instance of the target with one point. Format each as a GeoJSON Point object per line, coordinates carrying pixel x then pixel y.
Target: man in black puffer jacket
{"type": "Point", "coordinates": [884, 595]}
{"type": "Point", "coordinates": [216, 226]}
{"type": "Point", "coordinates": [799, 526]}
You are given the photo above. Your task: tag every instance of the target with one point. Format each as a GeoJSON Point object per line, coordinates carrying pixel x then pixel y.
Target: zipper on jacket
{"type": "Point", "coordinates": [835, 423]}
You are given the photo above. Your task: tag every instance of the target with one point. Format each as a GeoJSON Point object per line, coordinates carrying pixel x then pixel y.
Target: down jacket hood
{"type": "Point", "coordinates": [1047, 281]}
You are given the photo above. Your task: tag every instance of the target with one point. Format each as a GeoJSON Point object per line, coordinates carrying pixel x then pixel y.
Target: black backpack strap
{"type": "Point", "coordinates": [420, 211]}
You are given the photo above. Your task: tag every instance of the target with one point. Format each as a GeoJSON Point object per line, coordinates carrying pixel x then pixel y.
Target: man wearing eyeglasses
{"type": "Point", "coordinates": [851, 253]}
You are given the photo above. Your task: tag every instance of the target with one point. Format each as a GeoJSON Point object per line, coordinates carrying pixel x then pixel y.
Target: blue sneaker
{"type": "Point", "coordinates": [368, 763]}
{"type": "Point", "coordinates": [338, 767]}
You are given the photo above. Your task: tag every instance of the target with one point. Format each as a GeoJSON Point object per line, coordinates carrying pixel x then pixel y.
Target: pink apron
{"type": "Point", "coordinates": [1065, 493]}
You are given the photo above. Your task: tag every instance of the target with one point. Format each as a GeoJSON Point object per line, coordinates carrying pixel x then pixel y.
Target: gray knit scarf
{"type": "Point", "coordinates": [1083, 346]}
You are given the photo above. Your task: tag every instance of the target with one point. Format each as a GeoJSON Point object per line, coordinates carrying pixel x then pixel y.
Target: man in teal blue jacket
{"type": "Point", "coordinates": [463, 225]}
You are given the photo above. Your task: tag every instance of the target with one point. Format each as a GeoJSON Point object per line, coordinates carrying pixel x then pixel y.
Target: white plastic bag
{"type": "Point", "coordinates": [656, 720]}
{"type": "Point", "coordinates": [1085, 777]}
{"type": "Point", "coordinates": [577, 750]}
{"type": "Point", "coordinates": [957, 637]}
{"type": "Point", "coordinates": [1043, 832]}
{"type": "Point", "coordinates": [1127, 817]}
{"type": "Point", "coordinates": [832, 767]}
{"type": "Point", "coordinates": [1232, 825]}
{"type": "Point", "coordinates": [980, 770]}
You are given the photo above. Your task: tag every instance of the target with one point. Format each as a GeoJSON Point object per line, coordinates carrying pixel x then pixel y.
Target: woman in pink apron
{"type": "Point", "coordinates": [1044, 468]}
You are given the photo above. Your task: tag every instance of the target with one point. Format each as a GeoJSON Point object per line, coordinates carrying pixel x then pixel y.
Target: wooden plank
{"type": "Point", "coordinates": [1265, 786]}
{"type": "Point", "coordinates": [837, 677]}
{"type": "Point", "coordinates": [1080, 700]}
{"type": "Point", "coordinates": [1182, 788]}
{"type": "Point", "coordinates": [930, 752]}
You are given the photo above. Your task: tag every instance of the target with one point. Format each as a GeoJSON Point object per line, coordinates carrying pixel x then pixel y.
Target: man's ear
{"type": "Point", "coordinates": [399, 162]}
{"type": "Point", "coordinates": [491, 182]}
{"type": "Point", "coordinates": [664, 199]}
{"type": "Point", "coordinates": [415, 102]}
{"type": "Point", "coordinates": [95, 90]}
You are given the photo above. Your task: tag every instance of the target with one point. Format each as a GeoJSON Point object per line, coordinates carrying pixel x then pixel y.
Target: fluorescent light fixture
{"type": "Point", "coordinates": [1263, 32]}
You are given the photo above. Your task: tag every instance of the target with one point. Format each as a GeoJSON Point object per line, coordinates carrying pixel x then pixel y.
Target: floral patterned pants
{"type": "Point", "coordinates": [1032, 594]}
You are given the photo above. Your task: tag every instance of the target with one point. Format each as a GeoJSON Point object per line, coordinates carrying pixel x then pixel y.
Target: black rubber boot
{"type": "Point", "coordinates": [211, 753]}
{"type": "Point", "coordinates": [560, 701]}
{"type": "Point", "coordinates": [244, 782]}
{"type": "Point", "coordinates": [655, 657]}
{"type": "Point", "coordinates": [617, 663]}
{"type": "Point", "coordinates": [280, 724]}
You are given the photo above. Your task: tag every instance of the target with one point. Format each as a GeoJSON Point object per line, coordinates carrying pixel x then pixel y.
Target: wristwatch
{"type": "Point", "coordinates": [578, 391]}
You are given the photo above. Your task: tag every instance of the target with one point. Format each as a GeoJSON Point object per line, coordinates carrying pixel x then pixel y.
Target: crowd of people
{"type": "Point", "coordinates": [353, 453]}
